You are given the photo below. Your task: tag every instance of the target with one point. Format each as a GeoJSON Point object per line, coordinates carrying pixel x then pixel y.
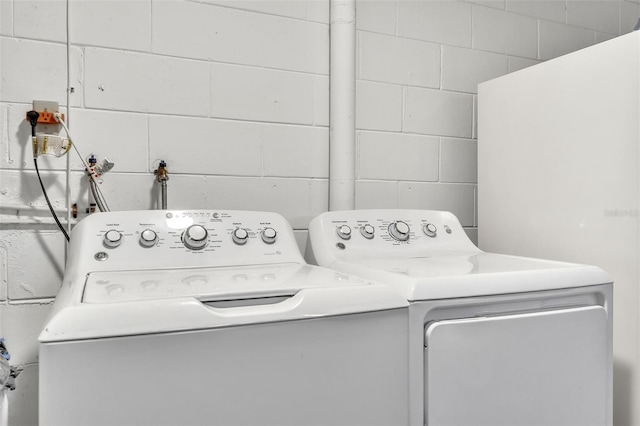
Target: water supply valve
{"type": "Point", "coordinates": [162, 174]}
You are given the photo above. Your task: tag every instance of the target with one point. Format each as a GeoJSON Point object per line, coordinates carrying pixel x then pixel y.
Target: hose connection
{"type": "Point", "coordinates": [162, 174]}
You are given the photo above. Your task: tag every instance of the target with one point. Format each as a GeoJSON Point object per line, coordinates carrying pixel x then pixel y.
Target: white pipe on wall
{"type": "Point", "coordinates": [342, 105]}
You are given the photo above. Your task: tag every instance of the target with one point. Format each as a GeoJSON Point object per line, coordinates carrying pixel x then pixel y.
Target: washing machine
{"type": "Point", "coordinates": [494, 339]}
{"type": "Point", "coordinates": [213, 318]}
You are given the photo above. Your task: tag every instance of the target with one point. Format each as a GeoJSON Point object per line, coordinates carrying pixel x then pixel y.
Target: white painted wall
{"type": "Point", "coordinates": [234, 96]}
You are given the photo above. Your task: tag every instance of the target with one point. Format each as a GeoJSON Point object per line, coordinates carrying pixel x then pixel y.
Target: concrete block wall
{"type": "Point", "coordinates": [233, 94]}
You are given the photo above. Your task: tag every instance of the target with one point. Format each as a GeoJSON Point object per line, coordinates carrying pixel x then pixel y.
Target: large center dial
{"type": "Point", "coordinates": [399, 230]}
{"type": "Point", "coordinates": [195, 237]}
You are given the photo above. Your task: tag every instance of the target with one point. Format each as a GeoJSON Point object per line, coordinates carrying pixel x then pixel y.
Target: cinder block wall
{"type": "Point", "coordinates": [234, 96]}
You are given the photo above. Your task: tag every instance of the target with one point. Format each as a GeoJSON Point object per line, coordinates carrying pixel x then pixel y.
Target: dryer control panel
{"type": "Point", "coordinates": [157, 239]}
{"type": "Point", "coordinates": [366, 234]}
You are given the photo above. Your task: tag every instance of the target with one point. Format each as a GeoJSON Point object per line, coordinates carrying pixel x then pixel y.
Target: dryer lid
{"type": "Point", "coordinates": [458, 274]}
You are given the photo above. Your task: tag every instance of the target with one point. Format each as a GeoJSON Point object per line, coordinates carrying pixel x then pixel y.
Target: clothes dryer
{"type": "Point", "coordinates": [213, 318]}
{"type": "Point", "coordinates": [494, 339]}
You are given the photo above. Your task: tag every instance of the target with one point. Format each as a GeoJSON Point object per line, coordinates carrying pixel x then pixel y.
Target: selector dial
{"type": "Point", "coordinates": [195, 237]}
{"type": "Point", "coordinates": [399, 230]}
{"type": "Point", "coordinates": [268, 235]}
{"type": "Point", "coordinates": [148, 238]}
{"type": "Point", "coordinates": [112, 238]}
{"type": "Point", "coordinates": [367, 231]}
{"type": "Point", "coordinates": [344, 232]}
{"type": "Point", "coordinates": [430, 229]}
{"type": "Point", "coordinates": [240, 236]}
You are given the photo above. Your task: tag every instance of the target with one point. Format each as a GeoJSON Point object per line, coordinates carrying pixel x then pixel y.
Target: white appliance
{"type": "Point", "coordinates": [493, 339]}
{"type": "Point", "coordinates": [558, 161]}
{"type": "Point", "coordinates": [213, 318]}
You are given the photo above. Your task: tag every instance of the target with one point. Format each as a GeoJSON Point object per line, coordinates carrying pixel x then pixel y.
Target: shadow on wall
{"type": "Point", "coordinates": [622, 383]}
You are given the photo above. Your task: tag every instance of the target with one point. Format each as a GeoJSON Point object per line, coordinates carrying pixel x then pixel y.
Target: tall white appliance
{"type": "Point", "coordinates": [558, 162]}
{"type": "Point", "coordinates": [494, 340]}
{"type": "Point", "coordinates": [203, 317]}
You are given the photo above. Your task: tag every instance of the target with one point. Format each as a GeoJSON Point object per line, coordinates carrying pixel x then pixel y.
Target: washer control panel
{"type": "Point", "coordinates": [165, 239]}
{"type": "Point", "coordinates": [380, 233]}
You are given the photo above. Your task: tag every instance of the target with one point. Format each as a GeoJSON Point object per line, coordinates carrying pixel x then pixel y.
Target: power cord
{"type": "Point", "coordinates": [46, 197]}
{"type": "Point", "coordinates": [32, 116]}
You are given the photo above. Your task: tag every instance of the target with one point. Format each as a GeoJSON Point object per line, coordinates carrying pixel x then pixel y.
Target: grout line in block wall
{"type": "Point", "coordinates": [191, 59]}
{"type": "Point", "coordinates": [357, 165]}
{"type": "Point", "coordinates": [203, 117]}
{"type": "Point", "coordinates": [211, 78]}
{"type": "Point", "coordinates": [396, 23]}
{"type": "Point", "coordinates": [538, 39]}
{"type": "Point", "coordinates": [475, 206]}
{"type": "Point", "coordinates": [471, 16]}
{"type": "Point", "coordinates": [150, 26]}
{"type": "Point", "coordinates": [440, 82]}
{"type": "Point", "coordinates": [151, 166]}
{"type": "Point", "coordinates": [404, 109]}
{"type": "Point", "coordinates": [172, 115]}
{"type": "Point", "coordinates": [440, 159]}
{"type": "Point", "coordinates": [388, 83]}
{"type": "Point", "coordinates": [262, 168]}
{"type": "Point", "coordinates": [260, 12]}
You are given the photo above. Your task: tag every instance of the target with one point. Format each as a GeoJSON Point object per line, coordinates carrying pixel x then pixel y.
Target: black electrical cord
{"type": "Point", "coordinates": [32, 116]}
{"type": "Point", "coordinates": [46, 197]}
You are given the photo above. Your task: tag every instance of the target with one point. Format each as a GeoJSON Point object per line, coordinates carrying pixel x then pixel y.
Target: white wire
{"type": "Point", "coordinates": [90, 169]}
{"type": "Point", "coordinates": [68, 166]}
{"type": "Point", "coordinates": [58, 117]}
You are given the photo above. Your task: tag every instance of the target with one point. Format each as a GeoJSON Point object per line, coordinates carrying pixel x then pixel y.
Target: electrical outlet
{"type": "Point", "coordinates": [46, 109]}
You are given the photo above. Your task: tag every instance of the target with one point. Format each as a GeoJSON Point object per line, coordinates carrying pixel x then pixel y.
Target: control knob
{"type": "Point", "coordinates": [344, 232]}
{"type": "Point", "coordinates": [268, 235]}
{"type": "Point", "coordinates": [240, 236]}
{"type": "Point", "coordinates": [430, 229]}
{"type": "Point", "coordinates": [195, 237]}
{"type": "Point", "coordinates": [399, 230]}
{"type": "Point", "coordinates": [367, 231]}
{"type": "Point", "coordinates": [148, 238]}
{"type": "Point", "coordinates": [112, 238]}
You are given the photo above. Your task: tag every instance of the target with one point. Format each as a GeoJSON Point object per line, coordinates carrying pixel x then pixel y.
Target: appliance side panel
{"type": "Point", "coordinates": [558, 178]}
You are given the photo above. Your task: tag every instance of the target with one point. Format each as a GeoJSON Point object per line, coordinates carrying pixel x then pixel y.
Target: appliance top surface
{"type": "Point", "coordinates": [210, 284]}
{"type": "Point", "coordinates": [141, 272]}
{"type": "Point", "coordinates": [137, 255]}
{"type": "Point", "coordinates": [427, 255]}
{"type": "Point", "coordinates": [462, 264]}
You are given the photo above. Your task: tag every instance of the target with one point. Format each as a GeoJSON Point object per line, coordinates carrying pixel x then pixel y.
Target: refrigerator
{"type": "Point", "coordinates": [558, 162]}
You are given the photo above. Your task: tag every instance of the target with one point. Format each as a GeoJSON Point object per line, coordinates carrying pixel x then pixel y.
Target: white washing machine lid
{"type": "Point", "coordinates": [223, 283]}
{"type": "Point", "coordinates": [124, 303]}
{"type": "Point", "coordinates": [449, 274]}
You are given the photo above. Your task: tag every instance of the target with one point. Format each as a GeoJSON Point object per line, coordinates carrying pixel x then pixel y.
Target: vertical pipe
{"type": "Point", "coordinates": [342, 105]}
{"type": "Point", "coordinates": [163, 185]}
{"type": "Point", "coordinates": [4, 407]}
